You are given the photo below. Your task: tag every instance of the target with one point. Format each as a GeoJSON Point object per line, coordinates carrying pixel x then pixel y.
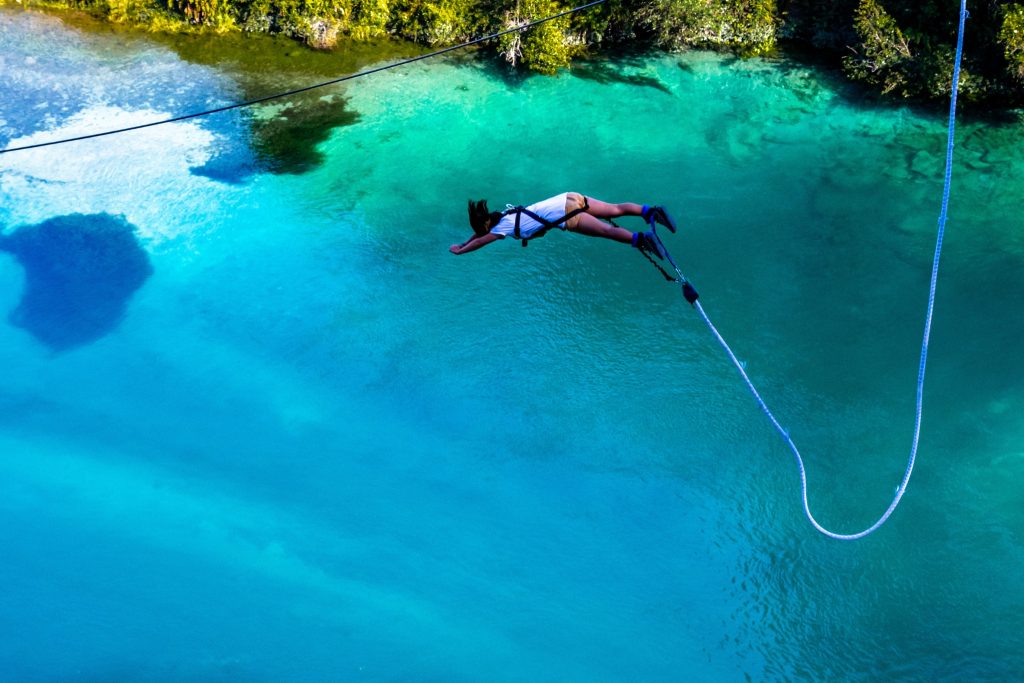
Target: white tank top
{"type": "Point", "coordinates": [551, 209]}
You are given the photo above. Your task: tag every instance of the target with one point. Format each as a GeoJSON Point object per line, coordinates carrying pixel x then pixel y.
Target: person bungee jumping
{"type": "Point", "coordinates": [567, 211]}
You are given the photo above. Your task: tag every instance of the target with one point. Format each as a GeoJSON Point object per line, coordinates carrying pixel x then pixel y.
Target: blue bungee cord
{"type": "Point", "coordinates": [690, 296]}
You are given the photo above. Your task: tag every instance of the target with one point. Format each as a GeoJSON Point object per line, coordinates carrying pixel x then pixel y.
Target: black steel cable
{"type": "Point", "coordinates": [349, 77]}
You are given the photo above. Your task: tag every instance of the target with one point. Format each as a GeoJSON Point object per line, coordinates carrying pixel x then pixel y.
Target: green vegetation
{"type": "Point", "coordinates": [884, 58]}
{"type": "Point", "coordinates": [897, 48]}
{"type": "Point", "coordinates": [1011, 35]}
{"type": "Point", "coordinates": [747, 26]}
{"type": "Point", "coordinates": [206, 12]}
{"type": "Point", "coordinates": [545, 48]}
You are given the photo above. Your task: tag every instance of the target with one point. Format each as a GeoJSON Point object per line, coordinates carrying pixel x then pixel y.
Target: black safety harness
{"type": "Point", "coordinates": [547, 225]}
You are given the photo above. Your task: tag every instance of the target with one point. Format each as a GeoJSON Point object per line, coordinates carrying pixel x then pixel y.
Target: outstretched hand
{"type": "Point", "coordinates": [474, 243]}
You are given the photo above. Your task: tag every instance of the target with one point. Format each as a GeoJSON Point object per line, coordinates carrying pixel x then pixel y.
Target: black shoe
{"type": "Point", "coordinates": [648, 242]}
{"type": "Point", "coordinates": [658, 214]}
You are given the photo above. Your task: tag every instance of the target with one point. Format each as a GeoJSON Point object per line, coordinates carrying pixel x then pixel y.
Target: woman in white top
{"type": "Point", "coordinates": [567, 211]}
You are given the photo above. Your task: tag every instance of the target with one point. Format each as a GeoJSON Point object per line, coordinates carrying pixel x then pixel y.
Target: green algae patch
{"type": "Point", "coordinates": [288, 141]}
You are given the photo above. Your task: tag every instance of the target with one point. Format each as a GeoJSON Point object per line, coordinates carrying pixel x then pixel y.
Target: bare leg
{"type": "Point", "coordinates": [606, 210]}
{"type": "Point", "coordinates": [589, 225]}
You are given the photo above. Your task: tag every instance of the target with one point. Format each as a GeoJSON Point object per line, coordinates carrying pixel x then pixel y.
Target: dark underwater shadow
{"type": "Point", "coordinates": [608, 68]}
{"type": "Point", "coordinates": [80, 272]}
{"type": "Point", "coordinates": [606, 73]}
{"type": "Point", "coordinates": [288, 142]}
{"type": "Point", "coordinates": [485, 58]}
{"type": "Point", "coordinates": [285, 141]}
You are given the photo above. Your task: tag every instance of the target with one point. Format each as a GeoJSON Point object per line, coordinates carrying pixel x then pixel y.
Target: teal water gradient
{"type": "Point", "coordinates": [319, 447]}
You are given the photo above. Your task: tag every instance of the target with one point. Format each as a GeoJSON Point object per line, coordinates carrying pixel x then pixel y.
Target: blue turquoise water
{"type": "Point", "coordinates": [317, 446]}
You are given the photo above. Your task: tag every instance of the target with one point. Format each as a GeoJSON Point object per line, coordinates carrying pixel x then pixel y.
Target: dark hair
{"type": "Point", "coordinates": [479, 216]}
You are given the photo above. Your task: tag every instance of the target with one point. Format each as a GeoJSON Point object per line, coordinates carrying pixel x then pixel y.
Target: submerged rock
{"type": "Point", "coordinates": [80, 272]}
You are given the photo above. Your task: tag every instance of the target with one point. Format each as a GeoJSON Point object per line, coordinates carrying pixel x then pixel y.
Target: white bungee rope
{"type": "Point", "coordinates": [901, 489]}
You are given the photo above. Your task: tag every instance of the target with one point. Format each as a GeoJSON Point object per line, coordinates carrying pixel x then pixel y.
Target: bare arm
{"type": "Point", "coordinates": [474, 243]}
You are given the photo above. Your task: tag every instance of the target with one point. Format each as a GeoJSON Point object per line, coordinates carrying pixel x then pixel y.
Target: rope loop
{"type": "Point", "coordinates": [783, 432]}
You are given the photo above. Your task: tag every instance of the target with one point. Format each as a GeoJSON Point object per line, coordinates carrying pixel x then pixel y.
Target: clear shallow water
{"type": "Point", "coordinates": [318, 446]}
